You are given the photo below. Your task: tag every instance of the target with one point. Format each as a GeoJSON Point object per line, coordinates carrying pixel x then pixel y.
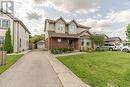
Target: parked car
{"type": "Point", "coordinates": [125, 47]}
{"type": "Point", "coordinates": [111, 46]}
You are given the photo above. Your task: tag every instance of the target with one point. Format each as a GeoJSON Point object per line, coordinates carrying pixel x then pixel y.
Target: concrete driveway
{"type": "Point", "coordinates": [32, 70]}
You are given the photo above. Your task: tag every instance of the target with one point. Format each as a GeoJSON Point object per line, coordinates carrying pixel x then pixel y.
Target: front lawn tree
{"type": "Point", "coordinates": [8, 42]}
{"type": "Point", "coordinates": [98, 39]}
{"type": "Point", "coordinates": [128, 32]}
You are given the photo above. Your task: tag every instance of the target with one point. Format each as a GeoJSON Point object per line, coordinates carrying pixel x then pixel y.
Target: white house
{"type": "Point", "coordinates": [19, 32]}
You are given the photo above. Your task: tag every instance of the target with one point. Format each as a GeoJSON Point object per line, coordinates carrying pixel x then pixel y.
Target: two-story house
{"type": "Point", "coordinates": [60, 34]}
{"type": "Point", "coordinates": [19, 32]}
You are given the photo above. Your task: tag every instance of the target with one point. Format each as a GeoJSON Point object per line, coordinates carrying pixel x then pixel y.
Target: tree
{"type": "Point", "coordinates": [8, 42]}
{"type": "Point", "coordinates": [98, 39]}
{"type": "Point", "coordinates": [36, 38]}
{"type": "Point", "coordinates": [128, 32]}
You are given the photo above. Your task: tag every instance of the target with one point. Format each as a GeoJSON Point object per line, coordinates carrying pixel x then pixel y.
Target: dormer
{"type": "Point", "coordinates": [60, 25]}
{"type": "Point", "coordinates": [72, 27]}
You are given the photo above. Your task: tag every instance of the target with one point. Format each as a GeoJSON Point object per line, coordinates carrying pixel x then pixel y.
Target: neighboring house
{"type": "Point", "coordinates": [19, 32]}
{"type": "Point", "coordinates": [114, 39]}
{"type": "Point", "coordinates": [105, 39]}
{"type": "Point", "coordinates": [60, 34]}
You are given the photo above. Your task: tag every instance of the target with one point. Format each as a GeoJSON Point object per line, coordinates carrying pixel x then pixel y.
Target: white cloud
{"type": "Point", "coordinates": [103, 23]}
{"type": "Point", "coordinates": [84, 6]}
{"type": "Point", "coordinates": [120, 16]}
{"type": "Point", "coordinates": [31, 15]}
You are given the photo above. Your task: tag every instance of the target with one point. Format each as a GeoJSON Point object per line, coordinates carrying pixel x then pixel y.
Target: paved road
{"type": "Point", "coordinates": [32, 70]}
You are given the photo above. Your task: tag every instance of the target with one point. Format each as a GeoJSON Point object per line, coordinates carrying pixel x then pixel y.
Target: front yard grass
{"type": "Point", "coordinates": [101, 69]}
{"type": "Point", "coordinates": [11, 59]}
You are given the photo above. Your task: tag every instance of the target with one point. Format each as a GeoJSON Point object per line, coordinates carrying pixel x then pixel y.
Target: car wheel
{"type": "Point", "coordinates": [110, 49]}
{"type": "Point", "coordinates": [125, 50]}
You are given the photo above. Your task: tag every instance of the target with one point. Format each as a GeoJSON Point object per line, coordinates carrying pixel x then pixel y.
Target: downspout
{"type": "Point", "coordinates": [17, 37]}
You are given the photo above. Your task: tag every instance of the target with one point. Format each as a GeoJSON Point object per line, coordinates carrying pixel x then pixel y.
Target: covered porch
{"type": "Point", "coordinates": [60, 42]}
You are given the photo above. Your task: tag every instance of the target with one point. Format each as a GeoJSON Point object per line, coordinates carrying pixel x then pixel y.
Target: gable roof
{"type": "Point", "coordinates": [73, 21]}
{"type": "Point", "coordinates": [16, 20]}
{"type": "Point", "coordinates": [114, 38]}
{"type": "Point", "coordinates": [85, 31]}
{"type": "Point", "coordinates": [54, 21]}
{"type": "Point", "coordinates": [61, 19]}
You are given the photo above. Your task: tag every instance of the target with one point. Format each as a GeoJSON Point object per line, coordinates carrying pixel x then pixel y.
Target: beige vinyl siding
{"type": "Point", "coordinates": [60, 22]}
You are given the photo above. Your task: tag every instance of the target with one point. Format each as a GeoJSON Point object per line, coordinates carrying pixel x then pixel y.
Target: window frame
{"type": "Point", "coordinates": [59, 40]}
{"type": "Point", "coordinates": [1, 42]}
{"type": "Point", "coordinates": [1, 23]}
{"type": "Point", "coordinates": [82, 42]}
{"type": "Point", "coordinates": [72, 28]}
{"type": "Point", "coordinates": [87, 43]}
{"type": "Point", "coordinates": [60, 27]}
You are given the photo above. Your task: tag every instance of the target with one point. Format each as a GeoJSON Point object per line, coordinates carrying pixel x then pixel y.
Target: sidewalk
{"type": "Point", "coordinates": [67, 77]}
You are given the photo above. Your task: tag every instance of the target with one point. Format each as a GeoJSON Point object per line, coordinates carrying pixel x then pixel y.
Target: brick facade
{"type": "Point", "coordinates": [53, 43]}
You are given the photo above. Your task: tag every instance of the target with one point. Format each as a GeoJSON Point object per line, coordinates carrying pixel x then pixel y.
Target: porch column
{"type": "Point", "coordinates": [78, 44]}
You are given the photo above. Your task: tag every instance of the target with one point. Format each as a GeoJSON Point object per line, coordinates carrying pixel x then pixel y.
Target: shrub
{"type": "Point", "coordinates": [90, 50]}
{"type": "Point", "coordinates": [8, 42]}
{"type": "Point", "coordinates": [0, 48]}
{"type": "Point", "coordinates": [71, 49]}
{"type": "Point", "coordinates": [101, 49]}
{"type": "Point", "coordinates": [56, 50]}
{"type": "Point", "coordinates": [67, 50]}
{"type": "Point", "coordinates": [59, 50]}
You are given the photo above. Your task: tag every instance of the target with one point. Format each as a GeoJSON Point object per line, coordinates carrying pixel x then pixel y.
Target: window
{"type": "Point", "coordinates": [59, 40]}
{"type": "Point", "coordinates": [110, 44]}
{"type": "Point", "coordinates": [87, 43]}
{"type": "Point", "coordinates": [1, 42]}
{"type": "Point", "coordinates": [4, 23]}
{"type": "Point", "coordinates": [82, 42]}
{"type": "Point", "coordinates": [60, 27]}
{"type": "Point", "coordinates": [20, 42]}
{"type": "Point", "coordinates": [0, 23]}
{"type": "Point", "coordinates": [105, 44]}
{"type": "Point", "coordinates": [72, 29]}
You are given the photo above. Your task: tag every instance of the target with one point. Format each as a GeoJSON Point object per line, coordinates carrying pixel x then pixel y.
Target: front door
{"type": "Point", "coordinates": [71, 43]}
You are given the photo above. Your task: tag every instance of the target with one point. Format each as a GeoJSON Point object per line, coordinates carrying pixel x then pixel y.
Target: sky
{"type": "Point", "coordinates": [110, 17]}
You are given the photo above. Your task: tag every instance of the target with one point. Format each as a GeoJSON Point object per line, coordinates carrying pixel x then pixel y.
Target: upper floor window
{"type": "Point", "coordinates": [61, 27]}
{"type": "Point", "coordinates": [72, 29]}
{"type": "Point", "coordinates": [4, 23]}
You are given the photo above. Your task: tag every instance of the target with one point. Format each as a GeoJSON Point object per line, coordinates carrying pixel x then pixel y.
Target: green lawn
{"type": "Point", "coordinates": [101, 69]}
{"type": "Point", "coordinates": [11, 59]}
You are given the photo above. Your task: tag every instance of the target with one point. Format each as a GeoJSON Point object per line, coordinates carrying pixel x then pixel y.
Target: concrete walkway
{"type": "Point", "coordinates": [32, 70]}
